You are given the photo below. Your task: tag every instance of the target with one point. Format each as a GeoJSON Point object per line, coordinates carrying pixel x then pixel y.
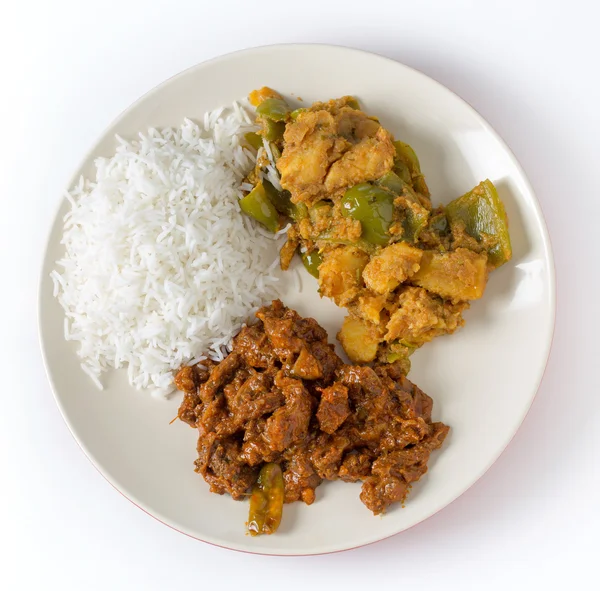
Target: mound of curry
{"type": "Point", "coordinates": [363, 222]}
{"type": "Point", "coordinates": [282, 412]}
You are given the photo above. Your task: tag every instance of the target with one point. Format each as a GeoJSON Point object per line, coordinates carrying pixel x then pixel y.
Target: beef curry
{"type": "Point", "coordinates": [282, 403]}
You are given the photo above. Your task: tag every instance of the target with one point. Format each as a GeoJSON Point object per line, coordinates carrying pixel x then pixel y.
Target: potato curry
{"type": "Point", "coordinates": [362, 221]}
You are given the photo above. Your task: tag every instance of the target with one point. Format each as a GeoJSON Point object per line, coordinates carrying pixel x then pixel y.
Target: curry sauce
{"type": "Point", "coordinates": [282, 397]}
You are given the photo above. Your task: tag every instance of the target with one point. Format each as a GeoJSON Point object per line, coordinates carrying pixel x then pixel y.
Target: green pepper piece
{"type": "Point", "coordinates": [257, 205]}
{"type": "Point", "coordinates": [272, 130]}
{"type": "Point", "coordinates": [296, 112]}
{"type": "Point", "coordinates": [401, 170]}
{"type": "Point", "coordinates": [273, 108]}
{"type": "Point", "coordinates": [414, 222]}
{"type": "Point", "coordinates": [484, 218]}
{"type": "Point", "coordinates": [420, 185]}
{"type": "Point", "coordinates": [266, 501]}
{"type": "Point", "coordinates": [404, 153]}
{"type": "Point", "coordinates": [275, 151]}
{"type": "Point", "coordinates": [439, 223]}
{"type": "Point", "coordinates": [373, 208]}
{"type": "Point", "coordinates": [353, 103]}
{"type": "Point", "coordinates": [390, 180]}
{"type": "Point", "coordinates": [253, 139]}
{"type": "Point", "coordinates": [311, 261]}
{"type": "Point", "coordinates": [361, 243]}
{"type": "Point", "coordinates": [300, 212]}
{"type": "Point", "coordinates": [280, 199]}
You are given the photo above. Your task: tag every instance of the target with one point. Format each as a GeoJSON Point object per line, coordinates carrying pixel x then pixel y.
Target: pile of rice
{"type": "Point", "coordinates": [161, 266]}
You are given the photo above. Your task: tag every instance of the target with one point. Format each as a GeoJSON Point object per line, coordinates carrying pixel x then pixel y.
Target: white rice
{"type": "Point", "coordinates": [272, 174]}
{"type": "Point", "coordinates": [161, 267]}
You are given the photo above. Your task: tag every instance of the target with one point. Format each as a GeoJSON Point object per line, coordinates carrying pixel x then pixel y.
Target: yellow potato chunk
{"type": "Point", "coordinates": [340, 274]}
{"type": "Point", "coordinates": [370, 307]}
{"type": "Point", "coordinates": [421, 316]}
{"type": "Point", "coordinates": [460, 275]}
{"type": "Point", "coordinates": [368, 160]}
{"type": "Point", "coordinates": [392, 266]}
{"type": "Point", "coordinates": [326, 151]}
{"type": "Point", "coordinates": [359, 340]}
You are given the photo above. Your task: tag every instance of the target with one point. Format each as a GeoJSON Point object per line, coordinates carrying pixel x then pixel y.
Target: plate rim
{"type": "Point", "coordinates": [547, 247]}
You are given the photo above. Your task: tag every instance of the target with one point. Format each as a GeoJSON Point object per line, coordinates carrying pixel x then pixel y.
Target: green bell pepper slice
{"type": "Point", "coordinates": [254, 140]}
{"type": "Point", "coordinates": [373, 207]}
{"type": "Point", "coordinates": [280, 199]}
{"type": "Point", "coordinates": [407, 156]}
{"type": "Point", "coordinates": [275, 109]}
{"type": "Point", "coordinates": [257, 205]}
{"type": "Point", "coordinates": [415, 220]}
{"type": "Point", "coordinates": [273, 130]}
{"type": "Point", "coordinates": [353, 103]}
{"type": "Point", "coordinates": [311, 261]}
{"type": "Point", "coordinates": [393, 182]}
{"type": "Point", "coordinates": [404, 153]}
{"type": "Point", "coordinates": [484, 218]}
{"type": "Point", "coordinates": [401, 170]}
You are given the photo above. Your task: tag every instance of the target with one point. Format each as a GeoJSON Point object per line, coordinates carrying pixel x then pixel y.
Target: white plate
{"type": "Point", "coordinates": [482, 379]}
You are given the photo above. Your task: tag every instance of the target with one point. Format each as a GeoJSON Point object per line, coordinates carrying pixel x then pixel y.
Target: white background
{"type": "Point", "coordinates": [530, 68]}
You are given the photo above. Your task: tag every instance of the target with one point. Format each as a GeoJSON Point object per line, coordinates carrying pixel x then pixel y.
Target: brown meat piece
{"type": "Point", "coordinates": [333, 408]}
{"type": "Point", "coordinates": [289, 423]}
{"type": "Point", "coordinates": [185, 381]}
{"type": "Point", "coordinates": [225, 473]}
{"type": "Point", "coordinates": [255, 398]}
{"type": "Point", "coordinates": [255, 449]}
{"type": "Point", "coordinates": [356, 466]}
{"type": "Point", "coordinates": [393, 472]}
{"type": "Point", "coordinates": [327, 358]}
{"type": "Point", "coordinates": [299, 476]}
{"type": "Point", "coordinates": [212, 414]}
{"type": "Point", "coordinates": [219, 377]}
{"type": "Point", "coordinates": [287, 332]}
{"type": "Point", "coordinates": [327, 453]}
{"type": "Point", "coordinates": [253, 345]}
{"type": "Point", "coordinates": [284, 396]}
{"type": "Point", "coordinates": [188, 380]}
